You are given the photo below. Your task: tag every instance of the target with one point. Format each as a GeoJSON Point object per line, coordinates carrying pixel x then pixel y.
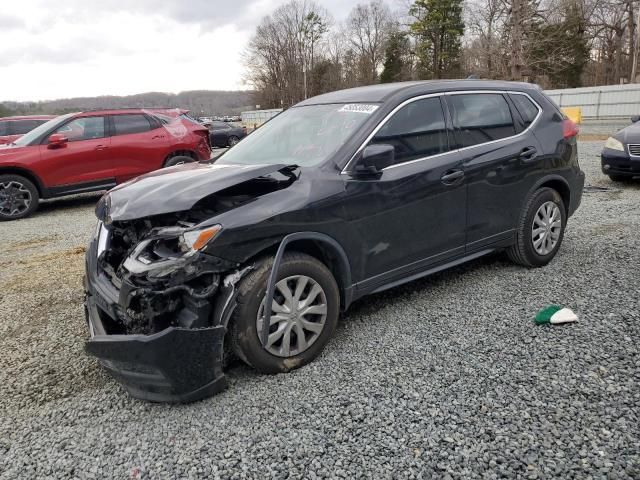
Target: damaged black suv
{"type": "Point", "coordinates": [342, 195]}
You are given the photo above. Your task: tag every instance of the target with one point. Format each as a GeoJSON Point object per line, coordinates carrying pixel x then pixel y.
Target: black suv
{"type": "Point", "coordinates": [345, 194]}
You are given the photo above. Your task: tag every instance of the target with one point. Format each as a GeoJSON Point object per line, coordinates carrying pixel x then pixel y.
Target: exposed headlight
{"type": "Point", "coordinates": [198, 239]}
{"type": "Point", "coordinates": [614, 144]}
{"type": "Point", "coordinates": [170, 244]}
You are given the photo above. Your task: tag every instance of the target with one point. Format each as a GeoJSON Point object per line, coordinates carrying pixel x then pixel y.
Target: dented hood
{"type": "Point", "coordinates": [174, 189]}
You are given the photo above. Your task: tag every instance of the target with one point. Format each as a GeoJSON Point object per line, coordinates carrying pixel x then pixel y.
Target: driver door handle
{"type": "Point", "coordinates": [451, 177]}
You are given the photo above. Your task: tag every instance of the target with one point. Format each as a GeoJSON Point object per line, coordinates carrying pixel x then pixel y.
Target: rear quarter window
{"type": "Point", "coordinates": [4, 128]}
{"type": "Point", "coordinates": [527, 109]}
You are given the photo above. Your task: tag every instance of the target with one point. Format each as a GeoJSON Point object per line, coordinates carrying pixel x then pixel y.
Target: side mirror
{"type": "Point", "coordinates": [57, 140]}
{"type": "Point", "coordinates": [635, 118]}
{"type": "Point", "coordinates": [374, 158]}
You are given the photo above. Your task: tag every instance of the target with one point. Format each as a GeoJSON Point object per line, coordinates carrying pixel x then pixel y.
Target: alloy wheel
{"type": "Point", "coordinates": [546, 228]}
{"type": "Point", "coordinates": [298, 316]}
{"type": "Point", "coordinates": [15, 198]}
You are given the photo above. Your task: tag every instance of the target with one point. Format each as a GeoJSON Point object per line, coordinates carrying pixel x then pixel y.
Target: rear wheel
{"type": "Point", "coordinates": [177, 160]}
{"type": "Point", "coordinates": [18, 197]}
{"type": "Point", "coordinates": [233, 140]}
{"type": "Point", "coordinates": [304, 314]}
{"type": "Point", "coordinates": [540, 230]}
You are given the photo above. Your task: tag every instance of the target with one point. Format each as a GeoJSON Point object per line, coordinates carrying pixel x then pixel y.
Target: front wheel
{"type": "Point", "coordinates": [233, 140]}
{"type": "Point", "coordinates": [18, 197]}
{"type": "Point", "coordinates": [304, 314]}
{"type": "Point", "coordinates": [540, 230]}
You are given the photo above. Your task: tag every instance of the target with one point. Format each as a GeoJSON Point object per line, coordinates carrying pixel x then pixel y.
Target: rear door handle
{"type": "Point", "coordinates": [529, 154]}
{"type": "Point", "coordinates": [101, 147]}
{"type": "Point", "coordinates": [157, 136]}
{"type": "Point", "coordinates": [451, 177]}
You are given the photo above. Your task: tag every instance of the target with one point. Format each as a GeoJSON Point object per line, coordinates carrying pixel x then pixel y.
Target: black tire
{"type": "Point", "coordinates": [177, 160]}
{"type": "Point", "coordinates": [16, 188]}
{"type": "Point", "coordinates": [233, 140]}
{"type": "Point", "coordinates": [618, 178]}
{"type": "Point", "coordinates": [523, 251]}
{"type": "Point", "coordinates": [252, 289]}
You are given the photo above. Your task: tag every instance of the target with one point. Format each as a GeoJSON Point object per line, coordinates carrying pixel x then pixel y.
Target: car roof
{"type": "Point", "coordinates": [28, 117]}
{"type": "Point", "coordinates": [124, 111]}
{"type": "Point", "coordinates": [382, 92]}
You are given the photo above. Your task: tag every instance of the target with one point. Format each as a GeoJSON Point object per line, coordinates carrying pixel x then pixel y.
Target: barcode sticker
{"type": "Point", "coordinates": [359, 108]}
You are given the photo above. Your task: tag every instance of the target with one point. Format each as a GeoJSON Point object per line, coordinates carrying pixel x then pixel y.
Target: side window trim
{"type": "Point", "coordinates": [449, 124]}
{"type": "Point", "coordinates": [46, 136]}
{"type": "Point", "coordinates": [345, 170]}
{"type": "Point", "coordinates": [502, 92]}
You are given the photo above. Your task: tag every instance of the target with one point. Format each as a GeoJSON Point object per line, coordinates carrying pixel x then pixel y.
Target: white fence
{"type": "Point", "coordinates": [255, 118]}
{"type": "Point", "coordinates": [612, 101]}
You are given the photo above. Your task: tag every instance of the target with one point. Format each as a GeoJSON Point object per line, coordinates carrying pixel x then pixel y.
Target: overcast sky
{"type": "Point", "coordinates": [70, 48]}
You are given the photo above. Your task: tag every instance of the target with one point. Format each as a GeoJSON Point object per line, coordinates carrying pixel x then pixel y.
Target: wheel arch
{"type": "Point", "coordinates": [29, 175]}
{"type": "Point", "coordinates": [557, 183]}
{"type": "Point", "coordinates": [307, 240]}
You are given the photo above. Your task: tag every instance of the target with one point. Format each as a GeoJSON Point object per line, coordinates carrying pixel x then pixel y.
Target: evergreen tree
{"type": "Point", "coordinates": [395, 61]}
{"type": "Point", "coordinates": [438, 28]}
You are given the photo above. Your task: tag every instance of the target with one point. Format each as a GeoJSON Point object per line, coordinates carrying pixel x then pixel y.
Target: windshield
{"type": "Point", "coordinates": [304, 136]}
{"type": "Point", "coordinates": [27, 138]}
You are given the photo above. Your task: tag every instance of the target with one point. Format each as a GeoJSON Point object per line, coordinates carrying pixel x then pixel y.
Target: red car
{"type": "Point", "coordinates": [93, 151]}
{"type": "Point", "coordinates": [12, 128]}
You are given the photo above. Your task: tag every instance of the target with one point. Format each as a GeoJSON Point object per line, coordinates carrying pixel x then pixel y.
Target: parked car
{"type": "Point", "coordinates": [343, 195]}
{"type": "Point", "coordinates": [621, 153]}
{"type": "Point", "coordinates": [93, 151]}
{"type": "Point", "coordinates": [223, 134]}
{"type": "Point", "coordinates": [12, 128]}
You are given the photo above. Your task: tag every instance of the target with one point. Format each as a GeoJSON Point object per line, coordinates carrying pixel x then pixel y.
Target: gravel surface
{"type": "Point", "coordinates": [445, 377]}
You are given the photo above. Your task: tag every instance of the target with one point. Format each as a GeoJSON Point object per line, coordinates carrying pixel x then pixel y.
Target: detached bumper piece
{"type": "Point", "coordinates": [174, 365]}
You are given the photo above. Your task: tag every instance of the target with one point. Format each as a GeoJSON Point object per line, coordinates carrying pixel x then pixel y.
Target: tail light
{"type": "Point", "coordinates": [569, 128]}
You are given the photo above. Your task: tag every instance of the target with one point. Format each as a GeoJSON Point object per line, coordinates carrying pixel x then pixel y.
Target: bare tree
{"type": "Point", "coordinates": [367, 30]}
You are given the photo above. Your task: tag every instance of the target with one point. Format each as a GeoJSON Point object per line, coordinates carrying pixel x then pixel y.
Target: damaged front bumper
{"type": "Point", "coordinates": [180, 362]}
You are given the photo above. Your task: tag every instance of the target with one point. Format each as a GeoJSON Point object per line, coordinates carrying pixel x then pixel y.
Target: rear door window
{"type": "Point", "coordinates": [416, 131]}
{"type": "Point", "coordinates": [527, 109]}
{"type": "Point", "coordinates": [480, 118]}
{"type": "Point", "coordinates": [127, 124]}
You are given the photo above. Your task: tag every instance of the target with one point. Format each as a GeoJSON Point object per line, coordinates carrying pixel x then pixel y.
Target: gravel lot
{"type": "Point", "coordinates": [443, 377]}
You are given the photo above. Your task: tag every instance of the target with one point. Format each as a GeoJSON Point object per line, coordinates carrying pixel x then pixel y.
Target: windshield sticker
{"type": "Point", "coordinates": [359, 108]}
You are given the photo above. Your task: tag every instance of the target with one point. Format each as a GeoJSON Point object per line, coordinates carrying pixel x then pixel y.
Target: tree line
{"type": "Point", "coordinates": [300, 51]}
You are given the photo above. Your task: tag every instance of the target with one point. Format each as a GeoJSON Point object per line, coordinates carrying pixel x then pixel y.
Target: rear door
{"type": "Point", "coordinates": [138, 145]}
{"type": "Point", "coordinates": [80, 160]}
{"type": "Point", "coordinates": [499, 156]}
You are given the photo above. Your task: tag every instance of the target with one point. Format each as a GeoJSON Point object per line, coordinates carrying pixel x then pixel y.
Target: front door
{"type": "Point", "coordinates": [414, 214]}
{"type": "Point", "coordinates": [81, 160]}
